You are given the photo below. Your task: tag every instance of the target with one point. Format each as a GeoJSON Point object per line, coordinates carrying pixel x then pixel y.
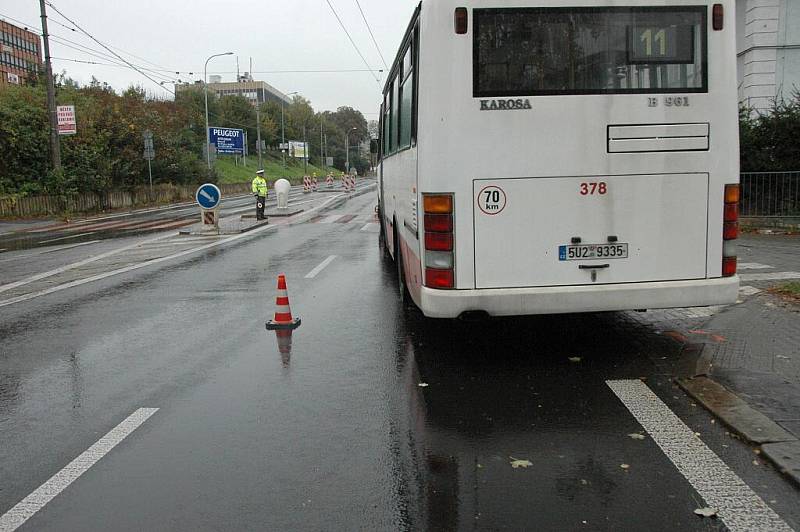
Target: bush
{"type": "Point", "coordinates": [769, 141]}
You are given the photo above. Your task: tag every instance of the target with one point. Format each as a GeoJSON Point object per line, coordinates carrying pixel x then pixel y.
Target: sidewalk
{"type": "Point", "coordinates": [745, 360]}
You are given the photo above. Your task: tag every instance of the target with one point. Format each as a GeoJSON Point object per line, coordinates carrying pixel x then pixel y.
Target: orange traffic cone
{"type": "Point", "coordinates": [283, 312]}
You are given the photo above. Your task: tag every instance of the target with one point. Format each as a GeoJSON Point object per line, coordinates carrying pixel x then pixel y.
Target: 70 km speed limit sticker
{"type": "Point", "coordinates": [492, 200]}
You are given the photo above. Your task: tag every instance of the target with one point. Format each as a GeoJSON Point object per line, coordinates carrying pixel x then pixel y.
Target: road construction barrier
{"type": "Point", "coordinates": [283, 319]}
{"type": "Point", "coordinates": [314, 184]}
{"type": "Point", "coordinates": [329, 181]}
{"type": "Point", "coordinates": [306, 185]}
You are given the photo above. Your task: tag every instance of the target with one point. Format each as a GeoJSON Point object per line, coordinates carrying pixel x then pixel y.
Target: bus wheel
{"type": "Point", "coordinates": [401, 275]}
{"type": "Point", "coordinates": [383, 245]}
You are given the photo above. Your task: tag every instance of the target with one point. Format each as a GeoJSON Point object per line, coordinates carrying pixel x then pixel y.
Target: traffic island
{"type": "Point", "coordinates": [227, 226]}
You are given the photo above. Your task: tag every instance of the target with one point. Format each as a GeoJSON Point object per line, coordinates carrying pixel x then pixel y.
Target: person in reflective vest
{"type": "Point", "coordinates": [260, 192]}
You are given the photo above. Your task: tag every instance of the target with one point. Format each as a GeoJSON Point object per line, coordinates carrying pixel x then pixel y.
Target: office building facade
{"type": "Point", "coordinates": [768, 51]}
{"type": "Point", "coordinates": [20, 54]}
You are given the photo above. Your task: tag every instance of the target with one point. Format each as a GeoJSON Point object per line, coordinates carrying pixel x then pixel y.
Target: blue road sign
{"type": "Point", "coordinates": [227, 140]}
{"type": "Point", "coordinates": [208, 196]}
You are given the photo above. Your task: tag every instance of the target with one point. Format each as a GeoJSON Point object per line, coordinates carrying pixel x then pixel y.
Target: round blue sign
{"type": "Point", "coordinates": [208, 196]}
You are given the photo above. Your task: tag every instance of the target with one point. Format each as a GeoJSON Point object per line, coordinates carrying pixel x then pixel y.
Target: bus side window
{"type": "Point", "coordinates": [387, 110]}
{"type": "Point", "coordinates": [415, 85]}
{"type": "Point", "coordinates": [395, 114]}
{"type": "Point", "coordinates": [405, 100]}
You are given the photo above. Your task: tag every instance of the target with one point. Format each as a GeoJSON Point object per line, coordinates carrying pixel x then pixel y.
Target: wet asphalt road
{"type": "Point", "coordinates": [119, 225]}
{"type": "Point", "coordinates": [339, 435]}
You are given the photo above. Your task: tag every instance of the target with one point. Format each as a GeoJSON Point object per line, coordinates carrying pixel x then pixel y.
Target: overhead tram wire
{"type": "Point", "coordinates": [106, 57]}
{"type": "Point", "coordinates": [375, 42]}
{"type": "Point", "coordinates": [335, 14]}
{"type": "Point", "coordinates": [88, 50]}
{"type": "Point", "coordinates": [107, 48]}
{"type": "Point", "coordinates": [118, 49]}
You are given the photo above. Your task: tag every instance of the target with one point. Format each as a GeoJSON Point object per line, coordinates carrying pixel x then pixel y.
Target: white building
{"type": "Point", "coordinates": [768, 50]}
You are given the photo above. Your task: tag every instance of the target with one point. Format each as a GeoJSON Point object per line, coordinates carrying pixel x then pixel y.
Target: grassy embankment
{"type": "Point", "coordinates": [229, 172]}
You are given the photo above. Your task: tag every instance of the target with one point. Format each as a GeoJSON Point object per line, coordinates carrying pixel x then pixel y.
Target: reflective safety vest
{"type": "Point", "coordinates": [260, 186]}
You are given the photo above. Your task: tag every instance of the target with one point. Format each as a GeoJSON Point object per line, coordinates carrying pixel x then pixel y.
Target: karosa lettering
{"type": "Point", "coordinates": [505, 105]}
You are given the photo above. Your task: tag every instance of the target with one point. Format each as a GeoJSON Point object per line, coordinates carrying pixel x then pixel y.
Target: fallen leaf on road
{"type": "Point", "coordinates": [575, 359]}
{"type": "Point", "coordinates": [516, 464]}
{"type": "Point", "coordinates": [423, 385]}
{"type": "Point", "coordinates": [636, 436]}
{"type": "Point", "coordinates": [706, 512]}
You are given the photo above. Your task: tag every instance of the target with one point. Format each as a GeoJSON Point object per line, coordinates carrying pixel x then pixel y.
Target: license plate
{"type": "Point", "coordinates": [593, 251]}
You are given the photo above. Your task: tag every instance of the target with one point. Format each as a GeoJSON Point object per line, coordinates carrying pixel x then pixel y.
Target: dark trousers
{"type": "Point", "coordinates": [261, 203]}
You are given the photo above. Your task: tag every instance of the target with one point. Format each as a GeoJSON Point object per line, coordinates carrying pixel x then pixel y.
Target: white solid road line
{"type": "Point", "coordinates": [738, 506]}
{"type": "Point", "coordinates": [754, 266]}
{"type": "Point", "coordinates": [27, 507]}
{"type": "Point", "coordinates": [70, 246]}
{"type": "Point", "coordinates": [313, 273]}
{"type": "Point", "coordinates": [778, 276]}
{"type": "Point", "coordinates": [65, 238]}
{"type": "Point", "coordinates": [133, 267]}
{"type": "Point", "coordinates": [62, 269]}
{"type": "Point", "coordinates": [53, 249]}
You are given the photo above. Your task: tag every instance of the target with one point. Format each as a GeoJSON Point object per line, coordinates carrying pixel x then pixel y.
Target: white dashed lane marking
{"type": "Point", "coordinates": [749, 290]}
{"type": "Point", "coordinates": [27, 507]}
{"type": "Point", "coordinates": [738, 506]}
{"type": "Point", "coordinates": [754, 266]}
{"type": "Point", "coordinates": [777, 276]}
{"type": "Point", "coordinates": [316, 271]}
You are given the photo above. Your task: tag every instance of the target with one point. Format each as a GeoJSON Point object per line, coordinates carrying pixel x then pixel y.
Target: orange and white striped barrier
{"type": "Point", "coordinates": [329, 181]}
{"type": "Point", "coordinates": [314, 184]}
{"type": "Point", "coordinates": [306, 184]}
{"type": "Point", "coordinates": [283, 312]}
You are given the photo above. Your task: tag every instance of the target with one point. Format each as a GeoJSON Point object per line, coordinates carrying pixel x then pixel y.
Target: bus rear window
{"type": "Point", "coordinates": [611, 50]}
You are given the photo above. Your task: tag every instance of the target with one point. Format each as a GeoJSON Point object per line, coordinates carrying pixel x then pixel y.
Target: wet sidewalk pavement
{"type": "Point", "coordinates": [752, 349]}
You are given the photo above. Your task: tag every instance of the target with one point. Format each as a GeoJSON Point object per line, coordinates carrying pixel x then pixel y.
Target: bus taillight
{"type": "Point", "coordinates": [730, 230]}
{"type": "Point", "coordinates": [718, 17]}
{"type": "Point", "coordinates": [461, 20]}
{"type": "Point", "coordinates": [439, 258]}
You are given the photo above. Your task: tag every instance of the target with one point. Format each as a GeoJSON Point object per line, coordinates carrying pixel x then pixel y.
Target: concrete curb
{"type": "Point", "coordinates": [778, 445]}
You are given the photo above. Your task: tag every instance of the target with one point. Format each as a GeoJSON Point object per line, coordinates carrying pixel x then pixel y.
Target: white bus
{"type": "Point", "coordinates": [537, 158]}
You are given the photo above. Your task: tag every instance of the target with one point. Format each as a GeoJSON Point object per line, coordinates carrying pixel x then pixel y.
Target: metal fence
{"type": "Point", "coordinates": [770, 194]}
{"type": "Point", "coordinates": [90, 202]}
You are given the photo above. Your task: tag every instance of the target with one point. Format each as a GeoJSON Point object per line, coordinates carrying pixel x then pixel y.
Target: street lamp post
{"type": "Point", "coordinates": [347, 148]}
{"type": "Point", "coordinates": [283, 130]}
{"type": "Point", "coordinates": [205, 91]}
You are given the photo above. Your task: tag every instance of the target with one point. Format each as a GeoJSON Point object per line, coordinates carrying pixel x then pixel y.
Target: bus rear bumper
{"type": "Point", "coordinates": [575, 299]}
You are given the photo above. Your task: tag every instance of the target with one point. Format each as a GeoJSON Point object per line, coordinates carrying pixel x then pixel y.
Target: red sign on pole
{"type": "Point", "coordinates": [67, 125]}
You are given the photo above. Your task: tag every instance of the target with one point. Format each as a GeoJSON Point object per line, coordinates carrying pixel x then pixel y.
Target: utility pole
{"type": "Point", "coordinates": [55, 147]}
{"type": "Point", "coordinates": [258, 134]}
{"type": "Point", "coordinates": [321, 144]}
{"type": "Point", "coordinates": [205, 92]}
{"type": "Point", "coordinates": [283, 130]}
{"type": "Point", "coordinates": [258, 124]}
{"type": "Point", "coordinates": [305, 151]}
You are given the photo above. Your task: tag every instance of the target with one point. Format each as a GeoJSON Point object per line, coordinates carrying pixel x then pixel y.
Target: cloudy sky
{"type": "Point", "coordinates": [169, 36]}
